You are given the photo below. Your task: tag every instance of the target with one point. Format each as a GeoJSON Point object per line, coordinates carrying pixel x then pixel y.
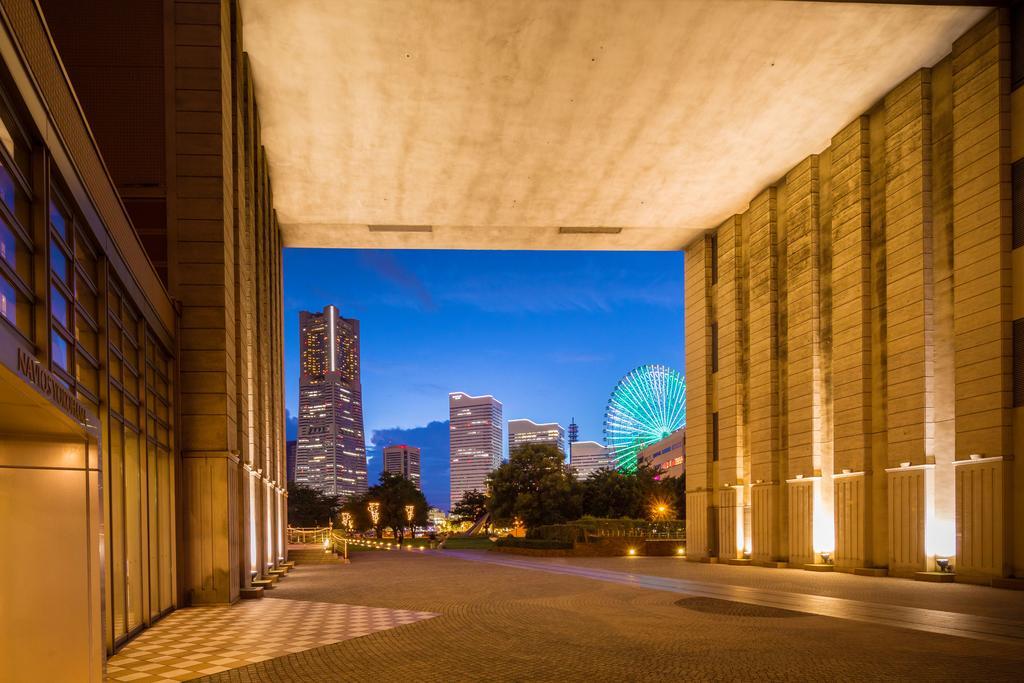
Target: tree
{"type": "Point", "coordinates": [309, 507]}
{"type": "Point", "coordinates": [470, 507]}
{"type": "Point", "coordinates": [393, 494]}
{"type": "Point", "coordinates": [611, 494]}
{"type": "Point", "coordinates": [535, 486]}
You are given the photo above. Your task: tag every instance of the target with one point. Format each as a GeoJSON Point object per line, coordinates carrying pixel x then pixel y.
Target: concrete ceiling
{"type": "Point", "coordinates": [501, 124]}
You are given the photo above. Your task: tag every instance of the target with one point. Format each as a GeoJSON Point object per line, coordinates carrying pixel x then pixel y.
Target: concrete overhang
{"type": "Point", "coordinates": [594, 124]}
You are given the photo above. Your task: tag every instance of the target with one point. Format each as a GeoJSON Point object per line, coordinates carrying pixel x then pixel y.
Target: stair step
{"type": "Point", "coordinates": [254, 593]}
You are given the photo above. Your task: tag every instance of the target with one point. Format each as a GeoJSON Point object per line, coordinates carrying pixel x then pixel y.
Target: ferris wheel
{"type": "Point", "coordinates": [647, 405]}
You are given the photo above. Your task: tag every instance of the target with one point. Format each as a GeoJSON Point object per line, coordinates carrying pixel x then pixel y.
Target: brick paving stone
{"type": "Point", "coordinates": [506, 624]}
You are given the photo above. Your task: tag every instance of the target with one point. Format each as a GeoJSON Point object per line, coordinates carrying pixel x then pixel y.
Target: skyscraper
{"type": "Point", "coordinates": [523, 432]}
{"type": "Point", "coordinates": [331, 452]}
{"type": "Point", "coordinates": [403, 460]}
{"type": "Point", "coordinates": [475, 446]}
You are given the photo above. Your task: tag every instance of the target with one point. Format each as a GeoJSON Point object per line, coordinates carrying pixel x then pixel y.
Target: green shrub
{"type": "Point", "coordinates": [533, 543]}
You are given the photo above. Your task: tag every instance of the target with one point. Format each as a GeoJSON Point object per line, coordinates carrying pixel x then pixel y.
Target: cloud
{"type": "Point", "coordinates": [587, 290]}
{"type": "Point", "coordinates": [432, 440]}
{"type": "Point", "coordinates": [291, 426]}
{"type": "Point", "coordinates": [385, 265]}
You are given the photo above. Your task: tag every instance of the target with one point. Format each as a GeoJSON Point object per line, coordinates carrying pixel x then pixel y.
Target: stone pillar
{"type": "Point", "coordinates": [982, 232]}
{"type": "Point", "coordinates": [766, 466]}
{"type": "Point", "coordinates": [733, 464]}
{"type": "Point", "coordinates": [851, 334]}
{"type": "Point", "coordinates": [809, 508]}
{"type": "Point", "coordinates": [700, 521]}
{"type": "Point", "coordinates": [910, 320]}
{"type": "Point", "coordinates": [202, 276]}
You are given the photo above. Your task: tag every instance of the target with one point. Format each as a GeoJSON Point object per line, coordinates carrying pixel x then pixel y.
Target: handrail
{"type": "Point", "coordinates": [327, 536]}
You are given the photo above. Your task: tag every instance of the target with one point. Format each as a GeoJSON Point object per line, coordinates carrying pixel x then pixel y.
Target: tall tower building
{"type": "Point", "coordinates": [475, 441]}
{"type": "Point", "coordinates": [574, 432]}
{"type": "Point", "coordinates": [403, 460]}
{"type": "Point", "coordinates": [524, 432]}
{"type": "Point", "coordinates": [331, 451]}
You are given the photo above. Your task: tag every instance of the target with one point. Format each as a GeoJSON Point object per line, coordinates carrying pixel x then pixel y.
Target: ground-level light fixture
{"type": "Point", "coordinates": [680, 550]}
{"type": "Point", "coordinates": [632, 551]}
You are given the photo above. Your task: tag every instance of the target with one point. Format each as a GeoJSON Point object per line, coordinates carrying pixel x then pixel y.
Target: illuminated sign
{"type": "Point", "coordinates": [50, 386]}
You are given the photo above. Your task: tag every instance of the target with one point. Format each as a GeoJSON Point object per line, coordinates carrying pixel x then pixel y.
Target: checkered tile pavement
{"type": "Point", "coordinates": [197, 641]}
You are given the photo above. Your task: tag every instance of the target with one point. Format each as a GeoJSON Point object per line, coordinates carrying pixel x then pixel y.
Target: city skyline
{"type": "Point", "coordinates": [551, 333]}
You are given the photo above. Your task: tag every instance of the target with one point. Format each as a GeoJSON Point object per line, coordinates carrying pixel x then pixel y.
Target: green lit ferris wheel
{"type": "Point", "coordinates": [647, 405]}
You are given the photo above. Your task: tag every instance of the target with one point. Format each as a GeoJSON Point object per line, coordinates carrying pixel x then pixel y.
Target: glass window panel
{"type": "Point", "coordinates": [166, 529]}
{"type": "Point", "coordinates": [130, 352]}
{"type": "Point", "coordinates": [116, 543]}
{"type": "Point", "coordinates": [60, 350]}
{"type": "Point", "coordinates": [12, 141]}
{"type": "Point", "coordinates": [59, 262]}
{"type": "Point", "coordinates": [58, 220]}
{"type": "Point", "coordinates": [131, 411]}
{"type": "Point", "coordinates": [86, 257]}
{"type": "Point", "coordinates": [15, 307]}
{"type": "Point", "coordinates": [87, 375]}
{"type": "Point", "coordinates": [133, 527]}
{"type": "Point", "coordinates": [86, 335]}
{"type": "Point", "coordinates": [114, 399]}
{"type": "Point", "coordinates": [114, 365]}
{"type": "Point", "coordinates": [6, 139]}
{"type": "Point", "coordinates": [131, 383]}
{"type": "Point", "coordinates": [114, 303]}
{"type": "Point", "coordinates": [13, 196]}
{"type": "Point", "coordinates": [114, 336]}
{"type": "Point", "coordinates": [153, 532]}
{"type": "Point", "coordinates": [14, 251]}
{"type": "Point", "coordinates": [86, 297]}
{"type": "Point", "coordinates": [8, 188]}
{"type": "Point", "coordinates": [59, 307]}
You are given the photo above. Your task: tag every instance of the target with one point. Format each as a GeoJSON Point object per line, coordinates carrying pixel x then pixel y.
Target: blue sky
{"type": "Point", "coordinates": [547, 333]}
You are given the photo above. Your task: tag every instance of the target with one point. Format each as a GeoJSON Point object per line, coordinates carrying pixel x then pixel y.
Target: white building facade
{"type": "Point", "coordinates": [523, 432]}
{"type": "Point", "coordinates": [475, 441]}
{"type": "Point", "coordinates": [586, 457]}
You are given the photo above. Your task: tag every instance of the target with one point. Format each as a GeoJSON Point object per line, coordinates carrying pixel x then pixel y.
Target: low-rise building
{"type": "Point", "coordinates": [586, 457]}
{"type": "Point", "coordinates": [667, 456]}
{"type": "Point", "coordinates": [524, 432]}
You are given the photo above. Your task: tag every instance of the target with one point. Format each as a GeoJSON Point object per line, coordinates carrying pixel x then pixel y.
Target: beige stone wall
{"type": "Point", "coordinates": [731, 388]}
{"type": "Point", "coordinates": [699, 466]}
{"type": "Point", "coordinates": [225, 266]}
{"type": "Point", "coordinates": [865, 379]}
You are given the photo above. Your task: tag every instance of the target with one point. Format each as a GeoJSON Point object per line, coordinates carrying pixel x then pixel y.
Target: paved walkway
{"type": "Point", "coordinates": [192, 642]}
{"type": "Point", "coordinates": [997, 630]}
{"type": "Point", "coordinates": [543, 620]}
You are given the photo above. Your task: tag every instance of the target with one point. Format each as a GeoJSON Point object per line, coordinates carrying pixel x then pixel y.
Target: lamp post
{"type": "Point", "coordinates": [409, 509]}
